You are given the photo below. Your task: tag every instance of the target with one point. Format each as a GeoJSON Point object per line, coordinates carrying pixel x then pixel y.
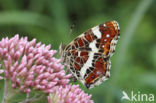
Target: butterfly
{"type": "Point", "coordinates": [87, 57]}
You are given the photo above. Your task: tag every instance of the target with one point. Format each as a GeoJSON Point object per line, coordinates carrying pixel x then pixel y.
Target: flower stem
{"type": "Point", "coordinates": [5, 93]}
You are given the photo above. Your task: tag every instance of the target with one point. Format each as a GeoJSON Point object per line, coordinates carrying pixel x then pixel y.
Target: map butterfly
{"type": "Point", "coordinates": [88, 55]}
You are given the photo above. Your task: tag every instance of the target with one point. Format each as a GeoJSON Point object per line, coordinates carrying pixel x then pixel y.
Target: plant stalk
{"type": "Point", "coordinates": [5, 92]}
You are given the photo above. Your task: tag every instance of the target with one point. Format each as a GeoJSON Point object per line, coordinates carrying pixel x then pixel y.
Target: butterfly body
{"type": "Point", "coordinates": [88, 55]}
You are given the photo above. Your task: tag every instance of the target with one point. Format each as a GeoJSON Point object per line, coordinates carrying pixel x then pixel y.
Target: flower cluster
{"type": "Point", "coordinates": [31, 65]}
{"type": "Point", "coordinates": [69, 94]}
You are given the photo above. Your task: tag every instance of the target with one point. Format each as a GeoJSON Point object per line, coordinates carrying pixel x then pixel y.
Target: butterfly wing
{"type": "Point", "coordinates": [89, 67]}
{"type": "Point", "coordinates": [110, 33]}
{"type": "Point", "coordinates": [88, 55]}
{"type": "Point", "coordinates": [76, 60]}
{"type": "Point", "coordinates": [101, 38]}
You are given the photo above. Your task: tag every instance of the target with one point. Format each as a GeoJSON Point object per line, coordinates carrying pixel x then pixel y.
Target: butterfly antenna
{"type": "Point", "coordinates": [71, 29]}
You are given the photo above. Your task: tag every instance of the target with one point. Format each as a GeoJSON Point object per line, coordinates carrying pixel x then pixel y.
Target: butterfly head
{"type": "Point", "coordinates": [61, 51]}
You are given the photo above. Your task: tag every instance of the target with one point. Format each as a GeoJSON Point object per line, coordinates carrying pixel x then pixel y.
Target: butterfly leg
{"type": "Point", "coordinates": [73, 78]}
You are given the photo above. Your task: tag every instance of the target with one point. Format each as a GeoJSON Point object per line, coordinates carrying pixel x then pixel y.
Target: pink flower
{"type": "Point", "coordinates": [31, 65]}
{"type": "Point", "coordinates": [69, 94]}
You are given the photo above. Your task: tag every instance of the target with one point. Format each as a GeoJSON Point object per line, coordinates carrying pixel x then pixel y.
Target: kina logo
{"type": "Point", "coordinates": [137, 96]}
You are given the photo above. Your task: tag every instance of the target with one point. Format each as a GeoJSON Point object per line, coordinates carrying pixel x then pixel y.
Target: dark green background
{"type": "Point", "coordinates": [134, 62]}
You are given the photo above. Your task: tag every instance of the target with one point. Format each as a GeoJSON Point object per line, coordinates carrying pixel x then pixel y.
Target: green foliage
{"type": "Point", "coordinates": [134, 63]}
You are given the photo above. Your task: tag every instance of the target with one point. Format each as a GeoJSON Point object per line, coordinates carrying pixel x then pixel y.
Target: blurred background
{"type": "Point", "coordinates": [134, 62]}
